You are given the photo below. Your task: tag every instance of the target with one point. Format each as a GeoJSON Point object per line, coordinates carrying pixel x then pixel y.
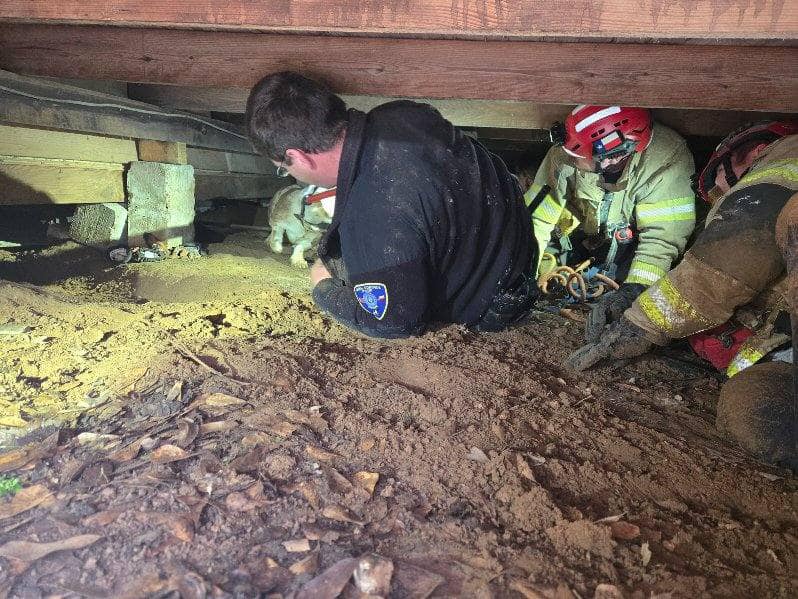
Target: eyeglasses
{"type": "Point", "coordinates": [282, 171]}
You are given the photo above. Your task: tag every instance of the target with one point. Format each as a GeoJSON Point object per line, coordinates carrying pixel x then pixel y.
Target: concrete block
{"type": "Point", "coordinates": [161, 202]}
{"type": "Point", "coordinates": [99, 225]}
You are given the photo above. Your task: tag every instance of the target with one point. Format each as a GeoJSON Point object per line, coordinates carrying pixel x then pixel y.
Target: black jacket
{"type": "Point", "coordinates": [429, 225]}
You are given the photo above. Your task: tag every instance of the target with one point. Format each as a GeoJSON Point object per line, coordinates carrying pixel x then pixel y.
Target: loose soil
{"type": "Point", "coordinates": [196, 428]}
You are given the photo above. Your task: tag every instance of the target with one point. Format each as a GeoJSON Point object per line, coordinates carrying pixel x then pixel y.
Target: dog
{"type": "Point", "coordinates": [302, 227]}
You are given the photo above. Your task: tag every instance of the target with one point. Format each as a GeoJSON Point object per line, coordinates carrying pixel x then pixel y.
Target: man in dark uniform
{"type": "Point", "coordinates": [428, 226]}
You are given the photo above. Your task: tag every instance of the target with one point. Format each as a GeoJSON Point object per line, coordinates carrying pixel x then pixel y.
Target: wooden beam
{"type": "Point", "coordinates": [656, 75]}
{"type": "Point", "coordinates": [41, 103]}
{"type": "Point", "coordinates": [213, 185]}
{"type": "Point", "coordinates": [708, 20]}
{"type": "Point", "coordinates": [56, 181]}
{"type": "Point", "coordinates": [41, 143]}
{"type": "Point", "coordinates": [493, 114]}
{"type": "Point", "coordinates": [463, 113]}
{"type": "Point", "coordinates": [162, 151]}
{"type": "Point", "coordinates": [230, 162]}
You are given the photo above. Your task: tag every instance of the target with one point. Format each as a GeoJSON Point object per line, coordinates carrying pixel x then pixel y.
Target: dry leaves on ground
{"type": "Point", "coordinates": [27, 551]}
{"type": "Point", "coordinates": [26, 499]}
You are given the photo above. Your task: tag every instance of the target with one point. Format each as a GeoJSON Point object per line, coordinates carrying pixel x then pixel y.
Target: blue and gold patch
{"type": "Point", "coordinates": [373, 298]}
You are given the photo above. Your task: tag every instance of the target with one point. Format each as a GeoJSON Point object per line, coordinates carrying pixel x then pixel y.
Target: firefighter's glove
{"type": "Point", "coordinates": [609, 308]}
{"type": "Point", "coordinates": [621, 340]}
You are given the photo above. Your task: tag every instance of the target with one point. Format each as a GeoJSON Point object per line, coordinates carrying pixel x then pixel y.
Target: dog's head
{"type": "Point", "coordinates": [315, 214]}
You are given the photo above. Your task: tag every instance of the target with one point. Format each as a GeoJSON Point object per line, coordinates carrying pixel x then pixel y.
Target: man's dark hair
{"type": "Point", "coordinates": [288, 111]}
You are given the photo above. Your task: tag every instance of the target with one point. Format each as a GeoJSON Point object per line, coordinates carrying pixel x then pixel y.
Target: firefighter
{"type": "Point", "coordinates": [616, 188]}
{"type": "Point", "coordinates": [427, 227]}
{"type": "Point", "coordinates": [729, 295]}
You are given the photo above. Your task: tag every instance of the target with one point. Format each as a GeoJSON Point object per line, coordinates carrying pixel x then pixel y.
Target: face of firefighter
{"type": "Point", "coordinates": [314, 168]}
{"type": "Point", "coordinates": [610, 166]}
{"type": "Point", "coordinates": [614, 164]}
{"type": "Point", "coordinates": [741, 161]}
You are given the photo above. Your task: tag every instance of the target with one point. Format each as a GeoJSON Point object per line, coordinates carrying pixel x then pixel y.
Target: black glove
{"type": "Point", "coordinates": [621, 340]}
{"type": "Point", "coordinates": [609, 308]}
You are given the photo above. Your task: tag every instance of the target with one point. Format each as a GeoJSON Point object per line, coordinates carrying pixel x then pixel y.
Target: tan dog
{"type": "Point", "coordinates": [286, 218]}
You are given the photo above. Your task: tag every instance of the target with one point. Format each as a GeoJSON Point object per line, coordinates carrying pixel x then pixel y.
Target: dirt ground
{"type": "Point", "coordinates": [196, 428]}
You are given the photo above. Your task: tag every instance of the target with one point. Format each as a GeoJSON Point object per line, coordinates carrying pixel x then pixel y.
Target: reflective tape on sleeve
{"type": "Point", "coordinates": [670, 311]}
{"type": "Point", "coordinates": [678, 209]}
{"type": "Point", "coordinates": [644, 273]}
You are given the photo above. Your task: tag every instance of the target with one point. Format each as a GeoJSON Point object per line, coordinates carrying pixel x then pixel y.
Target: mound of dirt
{"type": "Point", "coordinates": [233, 442]}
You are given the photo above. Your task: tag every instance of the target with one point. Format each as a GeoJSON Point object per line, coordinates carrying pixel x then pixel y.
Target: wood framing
{"type": "Point", "coordinates": [41, 143]}
{"type": "Point", "coordinates": [41, 103]}
{"type": "Point", "coordinates": [494, 114]}
{"type": "Point", "coordinates": [212, 185]}
{"type": "Point", "coordinates": [56, 181]}
{"type": "Point", "coordinates": [162, 151]}
{"type": "Point", "coordinates": [656, 75]}
{"type": "Point", "coordinates": [231, 162]}
{"type": "Point", "coordinates": [710, 20]}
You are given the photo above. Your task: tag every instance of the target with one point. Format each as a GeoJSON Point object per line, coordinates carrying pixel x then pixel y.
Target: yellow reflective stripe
{"type": "Point", "coordinates": [644, 273]}
{"type": "Point", "coordinates": [549, 211]}
{"type": "Point", "coordinates": [667, 308]}
{"type": "Point", "coordinates": [678, 209]}
{"type": "Point", "coordinates": [746, 356]}
{"type": "Point", "coordinates": [780, 169]}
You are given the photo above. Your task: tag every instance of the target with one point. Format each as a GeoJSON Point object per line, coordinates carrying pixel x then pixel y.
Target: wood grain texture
{"type": "Point", "coordinates": [717, 21]}
{"type": "Point", "coordinates": [494, 114]}
{"type": "Point", "coordinates": [162, 151]}
{"type": "Point", "coordinates": [41, 143]}
{"type": "Point", "coordinates": [41, 103]}
{"type": "Point", "coordinates": [655, 75]}
{"type": "Point", "coordinates": [463, 113]}
{"type": "Point", "coordinates": [230, 162]}
{"type": "Point", "coordinates": [212, 185]}
{"type": "Point", "coordinates": [55, 181]}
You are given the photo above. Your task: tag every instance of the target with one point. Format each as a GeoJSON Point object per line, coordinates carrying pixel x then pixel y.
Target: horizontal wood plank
{"type": "Point", "coordinates": [41, 143]}
{"type": "Point", "coordinates": [213, 185]}
{"type": "Point", "coordinates": [43, 103]}
{"type": "Point", "coordinates": [231, 162]}
{"type": "Point", "coordinates": [463, 113]}
{"type": "Point", "coordinates": [493, 114]}
{"type": "Point", "coordinates": [655, 75]}
{"type": "Point", "coordinates": [162, 151]}
{"type": "Point", "coordinates": [530, 19]}
{"type": "Point", "coordinates": [52, 181]}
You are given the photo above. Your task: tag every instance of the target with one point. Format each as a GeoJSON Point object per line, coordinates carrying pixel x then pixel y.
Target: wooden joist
{"type": "Point", "coordinates": [162, 151]}
{"type": "Point", "coordinates": [213, 185]}
{"type": "Point", "coordinates": [41, 143]}
{"type": "Point", "coordinates": [657, 75]}
{"type": "Point", "coordinates": [41, 103]}
{"type": "Point", "coordinates": [493, 114]}
{"type": "Point", "coordinates": [230, 162]}
{"type": "Point", "coordinates": [711, 20]}
{"type": "Point", "coordinates": [57, 181]}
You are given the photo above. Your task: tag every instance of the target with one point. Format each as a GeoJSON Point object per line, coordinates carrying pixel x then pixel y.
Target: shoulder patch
{"type": "Point", "coordinates": [373, 298]}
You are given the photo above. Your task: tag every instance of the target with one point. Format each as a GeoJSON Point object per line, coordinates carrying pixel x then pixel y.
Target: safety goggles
{"type": "Point", "coordinates": [282, 170]}
{"type": "Point", "coordinates": [620, 147]}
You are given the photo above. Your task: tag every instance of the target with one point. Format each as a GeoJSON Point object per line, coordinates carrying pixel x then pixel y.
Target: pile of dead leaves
{"type": "Point", "coordinates": [140, 507]}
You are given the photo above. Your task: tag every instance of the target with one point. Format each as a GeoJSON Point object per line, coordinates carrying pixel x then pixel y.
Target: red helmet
{"type": "Point", "coordinates": [768, 132]}
{"type": "Point", "coordinates": [601, 131]}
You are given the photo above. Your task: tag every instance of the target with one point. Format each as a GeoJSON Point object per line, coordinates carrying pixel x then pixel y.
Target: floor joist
{"type": "Point", "coordinates": [493, 114]}
{"type": "Point", "coordinates": [48, 104]}
{"type": "Point", "coordinates": [616, 20]}
{"type": "Point", "coordinates": [657, 75]}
